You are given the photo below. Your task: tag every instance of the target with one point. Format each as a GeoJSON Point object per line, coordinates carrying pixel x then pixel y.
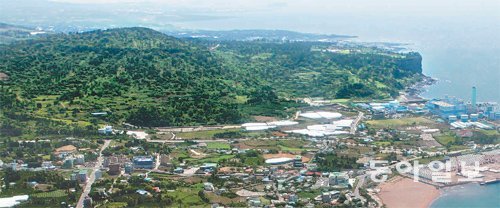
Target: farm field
{"type": "Point", "coordinates": [218, 145]}
{"type": "Point", "coordinates": [490, 132]}
{"type": "Point", "coordinates": [445, 139]}
{"type": "Point", "coordinates": [115, 205]}
{"type": "Point", "coordinates": [209, 134]}
{"type": "Point", "coordinates": [51, 194]}
{"type": "Point", "coordinates": [188, 197]}
{"type": "Point", "coordinates": [215, 158]}
{"type": "Point", "coordinates": [382, 143]}
{"type": "Point", "coordinates": [293, 145]}
{"type": "Point", "coordinates": [397, 123]}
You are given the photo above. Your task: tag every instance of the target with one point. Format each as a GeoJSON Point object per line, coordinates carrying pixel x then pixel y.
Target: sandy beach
{"type": "Point", "coordinates": [405, 193]}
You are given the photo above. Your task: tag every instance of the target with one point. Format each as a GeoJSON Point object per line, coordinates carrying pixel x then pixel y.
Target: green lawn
{"type": "Point", "coordinates": [218, 145]}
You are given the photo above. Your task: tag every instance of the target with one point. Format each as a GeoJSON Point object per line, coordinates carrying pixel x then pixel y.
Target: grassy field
{"type": "Point", "coordinates": [215, 158]}
{"type": "Point", "coordinates": [458, 147]}
{"type": "Point", "coordinates": [52, 194]}
{"type": "Point", "coordinates": [296, 146]}
{"type": "Point", "coordinates": [204, 134]}
{"type": "Point", "coordinates": [293, 145]}
{"type": "Point", "coordinates": [490, 132]}
{"type": "Point", "coordinates": [382, 143]}
{"type": "Point", "coordinates": [290, 149]}
{"type": "Point", "coordinates": [218, 145]}
{"type": "Point", "coordinates": [397, 123]}
{"type": "Point", "coordinates": [115, 205]}
{"type": "Point", "coordinates": [341, 101]}
{"type": "Point", "coordinates": [188, 197]}
{"type": "Point", "coordinates": [222, 199]}
{"type": "Point", "coordinates": [309, 194]}
{"type": "Point", "coordinates": [381, 155]}
{"type": "Point", "coordinates": [430, 159]}
{"type": "Point", "coordinates": [445, 139]}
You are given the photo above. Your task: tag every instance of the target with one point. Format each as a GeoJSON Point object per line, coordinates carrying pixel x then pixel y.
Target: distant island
{"type": "Point", "coordinates": [252, 35]}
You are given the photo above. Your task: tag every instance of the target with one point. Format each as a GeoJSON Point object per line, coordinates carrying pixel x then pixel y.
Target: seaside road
{"type": "Point", "coordinates": [90, 181]}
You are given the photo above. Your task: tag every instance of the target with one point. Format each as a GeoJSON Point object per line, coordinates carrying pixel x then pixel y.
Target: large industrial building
{"type": "Point", "coordinates": [462, 115]}
{"type": "Point", "coordinates": [446, 107]}
{"type": "Point", "coordinates": [143, 162]}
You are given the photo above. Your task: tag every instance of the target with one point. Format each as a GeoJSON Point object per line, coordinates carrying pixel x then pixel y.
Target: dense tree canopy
{"type": "Point", "coordinates": [147, 78]}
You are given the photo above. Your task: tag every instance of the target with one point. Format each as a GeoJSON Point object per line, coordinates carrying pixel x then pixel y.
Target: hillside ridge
{"type": "Point", "coordinates": [147, 78]}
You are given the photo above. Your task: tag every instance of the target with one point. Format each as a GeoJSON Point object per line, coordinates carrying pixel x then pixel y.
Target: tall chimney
{"type": "Point", "coordinates": [473, 100]}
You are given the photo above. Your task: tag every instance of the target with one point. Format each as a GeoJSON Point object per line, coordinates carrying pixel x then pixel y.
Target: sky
{"type": "Point", "coordinates": [302, 15]}
{"type": "Point", "coordinates": [408, 7]}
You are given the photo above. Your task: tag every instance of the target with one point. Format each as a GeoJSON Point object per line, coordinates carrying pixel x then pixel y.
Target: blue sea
{"type": "Point", "coordinates": [458, 40]}
{"type": "Point", "coordinates": [468, 196]}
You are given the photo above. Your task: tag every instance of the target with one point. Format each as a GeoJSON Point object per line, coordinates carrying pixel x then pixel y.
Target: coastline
{"type": "Point", "coordinates": [467, 195]}
{"type": "Point", "coordinates": [401, 192]}
{"type": "Point", "coordinates": [414, 92]}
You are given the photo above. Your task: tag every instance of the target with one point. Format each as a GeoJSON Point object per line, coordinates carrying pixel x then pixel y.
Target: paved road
{"type": "Point", "coordinates": [157, 165]}
{"type": "Point", "coordinates": [354, 125]}
{"type": "Point", "coordinates": [91, 179]}
{"type": "Point", "coordinates": [195, 140]}
{"type": "Point", "coordinates": [361, 182]}
{"type": "Point", "coordinates": [180, 141]}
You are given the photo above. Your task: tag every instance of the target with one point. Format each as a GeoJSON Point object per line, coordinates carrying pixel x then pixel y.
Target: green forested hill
{"type": "Point", "coordinates": [299, 69]}
{"type": "Point", "coordinates": [146, 78]}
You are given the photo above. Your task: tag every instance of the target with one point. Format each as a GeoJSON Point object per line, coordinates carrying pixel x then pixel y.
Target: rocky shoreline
{"type": "Point", "coordinates": [413, 92]}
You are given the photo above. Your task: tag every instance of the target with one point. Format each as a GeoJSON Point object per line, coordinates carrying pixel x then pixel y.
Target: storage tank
{"type": "Point", "coordinates": [464, 118]}
{"type": "Point", "coordinates": [452, 119]}
{"type": "Point", "coordinates": [474, 117]}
